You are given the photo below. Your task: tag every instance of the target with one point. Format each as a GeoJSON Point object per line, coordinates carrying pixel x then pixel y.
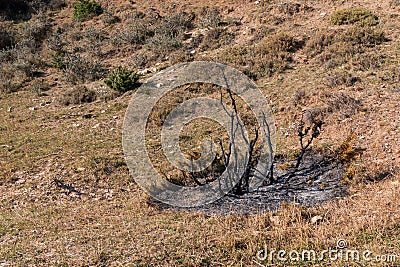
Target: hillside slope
{"type": "Point", "coordinates": [67, 198]}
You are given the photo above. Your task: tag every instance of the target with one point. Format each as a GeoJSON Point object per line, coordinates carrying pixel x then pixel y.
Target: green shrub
{"type": "Point", "coordinates": [355, 15]}
{"type": "Point", "coordinates": [86, 9]}
{"type": "Point", "coordinates": [122, 79]}
{"type": "Point", "coordinates": [58, 61]}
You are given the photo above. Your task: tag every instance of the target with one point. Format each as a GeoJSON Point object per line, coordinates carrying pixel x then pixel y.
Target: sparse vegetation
{"type": "Point", "coordinates": [67, 198]}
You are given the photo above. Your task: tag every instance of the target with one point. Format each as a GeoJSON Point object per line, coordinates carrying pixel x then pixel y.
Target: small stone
{"type": "Point", "coordinates": [322, 14]}
{"type": "Point", "coordinates": [9, 109]}
{"type": "Point", "coordinates": [32, 108]}
{"type": "Point", "coordinates": [21, 181]}
{"type": "Point", "coordinates": [145, 71]}
{"type": "Point", "coordinates": [97, 125]}
{"type": "Point", "coordinates": [115, 117]}
{"type": "Point", "coordinates": [80, 169]}
{"type": "Point", "coordinates": [103, 111]}
{"type": "Point", "coordinates": [316, 219]}
{"type": "Point", "coordinates": [193, 52]}
{"type": "Point", "coordinates": [159, 85]}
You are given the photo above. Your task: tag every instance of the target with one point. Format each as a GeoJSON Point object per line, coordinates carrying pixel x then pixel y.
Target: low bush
{"type": "Point", "coordinates": [270, 56]}
{"type": "Point", "coordinates": [79, 69]}
{"type": "Point", "coordinates": [77, 95]}
{"type": "Point", "coordinates": [364, 36]}
{"type": "Point", "coordinates": [318, 42]}
{"type": "Point", "coordinates": [290, 8]}
{"type": "Point", "coordinates": [18, 65]}
{"type": "Point", "coordinates": [109, 18]}
{"type": "Point", "coordinates": [122, 79]}
{"type": "Point", "coordinates": [8, 81]}
{"type": "Point", "coordinates": [35, 31]}
{"type": "Point", "coordinates": [215, 38]}
{"type": "Point", "coordinates": [337, 54]}
{"type": "Point", "coordinates": [86, 9]}
{"type": "Point", "coordinates": [341, 78]}
{"type": "Point", "coordinates": [134, 33]}
{"type": "Point", "coordinates": [354, 15]}
{"type": "Point", "coordinates": [350, 45]}
{"type": "Point", "coordinates": [39, 86]}
{"type": "Point", "coordinates": [209, 18]}
{"type": "Point", "coordinates": [395, 3]}
{"type": "Point", "coordinates": [57, 4]}
{"type": "Point", "coordinates": [344, 104]}
{"type": "Point", "coordinates": [169, 35]}
{"type": "Point", "coordinates": [368, 61]}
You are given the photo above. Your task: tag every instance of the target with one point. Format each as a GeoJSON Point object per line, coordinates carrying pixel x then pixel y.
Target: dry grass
{"type": "Point", "coordinates": [67, 198]}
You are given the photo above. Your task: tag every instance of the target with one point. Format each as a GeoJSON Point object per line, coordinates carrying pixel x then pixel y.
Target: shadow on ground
{"type": "Point", "coordinates": [318, 180]}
